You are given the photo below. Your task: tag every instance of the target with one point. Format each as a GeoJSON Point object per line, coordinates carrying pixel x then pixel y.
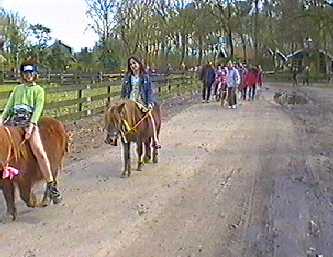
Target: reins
{"type": "Point", "coordinates": [130, 129]}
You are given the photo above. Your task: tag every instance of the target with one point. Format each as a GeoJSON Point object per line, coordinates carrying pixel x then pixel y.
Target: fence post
{"type": "Point", "coordinates": [77, 79]}
{"type": "Point", "coordinates": [168, 82]}
{"type": "Point", "coordinates": [80, 96]}
{"type": "Point", "coordinates": [48, 78]}
{"type": "Point", "coordinates": [61, 78]}
{"type": "Point", "coordinates": [100, 76]}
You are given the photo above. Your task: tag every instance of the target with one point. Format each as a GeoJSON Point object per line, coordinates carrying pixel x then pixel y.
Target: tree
{"type": "Point", "coordinates": [42, 37]}
{"type": "Point", "coordinates": [101, 14]}
{"type": "Point", "coordinates": [15, 32]}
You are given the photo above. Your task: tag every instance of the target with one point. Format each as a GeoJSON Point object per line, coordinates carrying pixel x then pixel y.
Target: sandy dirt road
{"type": "Point", "coordinates": [230, 183]}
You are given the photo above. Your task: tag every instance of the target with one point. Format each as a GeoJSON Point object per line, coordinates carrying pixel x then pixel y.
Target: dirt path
{"type": "Point", "coordinates": [229, 183]}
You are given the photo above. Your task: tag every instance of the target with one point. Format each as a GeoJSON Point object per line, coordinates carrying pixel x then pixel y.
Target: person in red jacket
{"type": "Point", "coordinates": [250, 82]}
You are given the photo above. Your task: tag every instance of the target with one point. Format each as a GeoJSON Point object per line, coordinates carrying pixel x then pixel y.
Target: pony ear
{"type": "Point", "coordinates": [120, 107]}
{"type": "Point", "coordinates": [121, 110]}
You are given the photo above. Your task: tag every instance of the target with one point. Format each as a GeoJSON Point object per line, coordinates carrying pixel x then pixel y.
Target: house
{"type": "Point", "coordinates": [59, 44]}
{"type": "Point", "coordinates": [318, 59]}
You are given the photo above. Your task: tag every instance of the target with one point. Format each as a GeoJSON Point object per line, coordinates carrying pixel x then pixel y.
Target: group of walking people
{"type": "Point", "coordinates": [226, 82]}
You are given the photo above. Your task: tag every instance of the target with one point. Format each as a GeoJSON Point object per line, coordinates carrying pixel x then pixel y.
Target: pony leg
{"type": "Point", "coordinates": [127, 157]}
{"type": "Point", "coordinates": [139, 150]}
{"type": "Point", "coordinates": [26, 195]}
{"type": "Point", "coordinates": [147, 156]}
{"type": "Point", "coordinates": [155, 155]}
{"type": "Point", "coordinates": [9, 194]}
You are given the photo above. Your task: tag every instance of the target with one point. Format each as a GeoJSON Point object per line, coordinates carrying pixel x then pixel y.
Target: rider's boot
{"type": "Point", "coordinates": [53, 192]}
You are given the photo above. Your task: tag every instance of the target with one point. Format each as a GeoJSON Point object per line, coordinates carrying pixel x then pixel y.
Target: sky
{"type": "Point", "coordinates": [65, 18]}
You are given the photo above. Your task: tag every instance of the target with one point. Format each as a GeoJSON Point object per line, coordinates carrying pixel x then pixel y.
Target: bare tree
{"type": "Point", "coordinates": [101, 14]}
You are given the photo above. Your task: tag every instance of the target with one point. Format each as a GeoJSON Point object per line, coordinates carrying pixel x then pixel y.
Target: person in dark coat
{"type": "Point", "coordinates": [207, 77]}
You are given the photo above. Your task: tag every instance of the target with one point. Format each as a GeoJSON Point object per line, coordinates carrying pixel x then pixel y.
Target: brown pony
{"type": "Point", "coordinates": [15, 152]}
{"type": "Point", "coordinates": [125, 119]}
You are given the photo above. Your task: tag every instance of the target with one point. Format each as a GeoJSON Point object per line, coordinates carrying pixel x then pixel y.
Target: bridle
{"type": "Point", "coordinates": [130, 129]}
{"type": "Point", "coordinates": [125, 129]}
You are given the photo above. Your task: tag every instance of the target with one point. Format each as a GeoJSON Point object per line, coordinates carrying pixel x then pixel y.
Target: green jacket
{"type": "Point", "coordinates": [29, 95]}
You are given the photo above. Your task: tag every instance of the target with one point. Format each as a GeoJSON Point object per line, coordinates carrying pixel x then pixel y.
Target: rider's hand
{"type": "Point", "coordinates": [150, 107]}
{"type": "Point", "coordinates": [28, 131]}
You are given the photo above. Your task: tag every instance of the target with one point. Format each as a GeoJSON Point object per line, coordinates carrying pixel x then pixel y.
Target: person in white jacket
{"type": "Point", "coordinates": [233, 81]}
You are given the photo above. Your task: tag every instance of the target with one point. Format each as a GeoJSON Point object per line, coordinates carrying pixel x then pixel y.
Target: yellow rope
{"type": "Point", "coordinates": [130, 129]}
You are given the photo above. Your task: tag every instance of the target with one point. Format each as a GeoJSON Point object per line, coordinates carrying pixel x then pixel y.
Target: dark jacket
{"type": "Point", "coordinates": [207, 75]}
{"type": "Point", "coordinates": [145, 89]}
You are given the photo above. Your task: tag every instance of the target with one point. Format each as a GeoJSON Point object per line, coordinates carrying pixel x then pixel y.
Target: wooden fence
{"type": "Point", "coordinates": [74, 96]}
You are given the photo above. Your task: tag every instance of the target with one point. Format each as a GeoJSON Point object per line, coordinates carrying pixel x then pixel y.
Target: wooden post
{"type": "Point", "coordinates": [61, 78]}
{"type": "Point", "coordinates": [48, 76]}
{"type": "Point", "coordinates": [77, 79]}
{"type": "Point", "coordinates": [159, 89]}
{"type": "Point", "coordinates": [100, 77]}
{"type": "Point", "coordinates": [109, 92]}
{"type": "Point", "coordinates": [168, 82]}
{"type": "Point", "coordinates": [80, 96]}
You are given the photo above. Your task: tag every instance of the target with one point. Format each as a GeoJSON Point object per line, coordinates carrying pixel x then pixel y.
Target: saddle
{"type": "Point", "coordinates": [20, 116]}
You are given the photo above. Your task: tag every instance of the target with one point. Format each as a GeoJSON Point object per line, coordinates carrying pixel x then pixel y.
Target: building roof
{"type": "Point", "coordinates": [59, 43]}
{"type": "Point", "coordinates": [299, 52]}
{"type": "Point", "coordinates": [278, 53]}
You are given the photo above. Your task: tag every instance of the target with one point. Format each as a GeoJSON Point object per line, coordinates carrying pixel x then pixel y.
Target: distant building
{"type": "Point", "coordinates": [318, 58]}
{"type": "Point", "coordinates": [59, 44]}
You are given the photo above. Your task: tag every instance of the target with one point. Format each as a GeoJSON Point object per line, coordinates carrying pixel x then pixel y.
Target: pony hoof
{"type": "Point", "coordinates": [155, 159]}
{"type": "Point", "coordinates": [45, 202]}
{"type": "Point", "coordinates": [139, 168]}
{"type": "Point", "coordinates": [123, 175]}
{"type": "Point", "coordinates": [7, 217]}
{"type": "Point", "coordinates": [146, 159]}
{"type": "Point", "coordinates": [33, 203]}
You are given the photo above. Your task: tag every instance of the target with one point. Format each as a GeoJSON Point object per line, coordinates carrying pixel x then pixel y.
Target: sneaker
{"type": "Point", "coordinates": [203, 101]}
{"type": "Point", "coordinates": [54, 193]}
{"type": "Point", "coordinates": [229, 107]}
{"type": "Point", "coordinates": [234, 106]}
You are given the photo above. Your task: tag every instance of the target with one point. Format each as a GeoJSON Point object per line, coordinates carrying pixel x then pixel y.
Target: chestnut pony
{"type": "Point", "coordinates": [124, 119]}
{"type": "Point", "coordinates": [15, 154]}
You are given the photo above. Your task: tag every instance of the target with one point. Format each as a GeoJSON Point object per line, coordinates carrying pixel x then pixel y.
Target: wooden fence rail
{"type": "Point", "coordinates": [82, 96]}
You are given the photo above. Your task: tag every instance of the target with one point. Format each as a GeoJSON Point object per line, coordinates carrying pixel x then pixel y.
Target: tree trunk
{"type": "Point", "coordinates": [183, 47]}
{"type": "Point", "coordinates": [230, 43]}
{"type": "Point", "coordinates": [229, 32]}
{"type": "Point", "coordinates": [200, 54]}
{"type": "Point", "coordinates": [244, 48]}
{"type": "Point", "coordinates": [256, 29]}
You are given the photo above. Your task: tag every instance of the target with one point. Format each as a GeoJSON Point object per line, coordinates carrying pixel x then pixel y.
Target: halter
{"type": "Point", "coordinates": [129, 129]}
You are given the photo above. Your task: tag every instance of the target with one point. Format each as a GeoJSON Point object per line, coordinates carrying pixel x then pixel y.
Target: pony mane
{"type": "Point", "coordinates": [122, 109]}
{"type": "Point", "coordinates": [14, 141]}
